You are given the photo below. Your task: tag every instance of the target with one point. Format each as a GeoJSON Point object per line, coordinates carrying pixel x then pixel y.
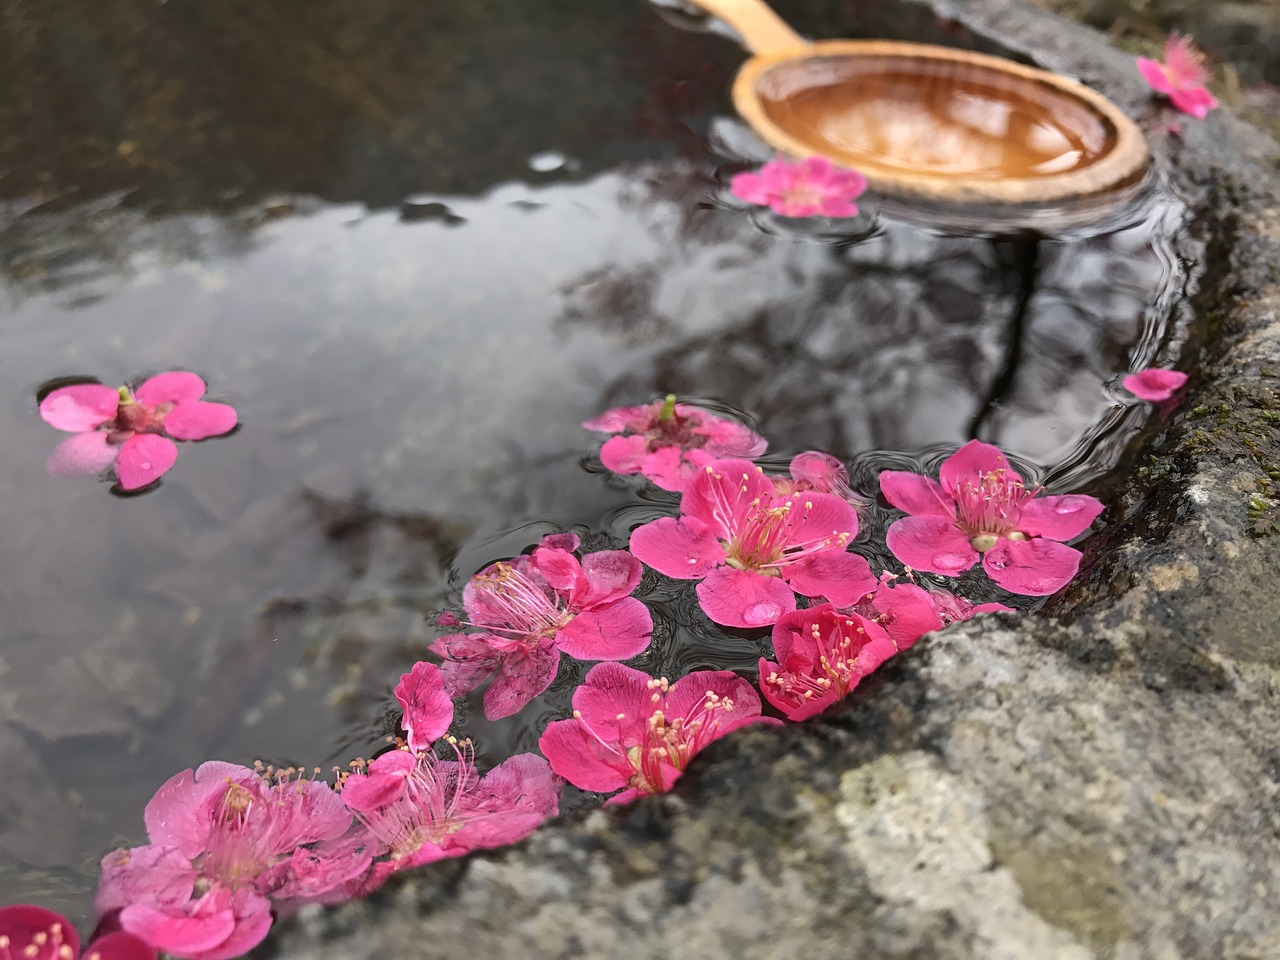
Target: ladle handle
{"type": "Point", "coordinates": [761, 29]}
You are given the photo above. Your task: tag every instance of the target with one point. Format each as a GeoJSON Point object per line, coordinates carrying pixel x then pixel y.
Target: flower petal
{"type": "Point", "coordinates": [932, 544]}
{"type": "Point", "coordinates": [841, 577]}
{"type": "Point", "coordinates": [82, 454]}
{"type": "Point", "coordinates": [624, 454]}
{"type": "Point", "coordinates": [1035, 568]}
{"type": "Point", "coordinates": [907, 613]}
{"type": "Point", "coordinates": [1196, 101]}
{"type": "Point", "coordinates": [120, 946]}
{"type": "Point", "coordinates": [21, 924]}
{"type": "Point", "coordinates": [970, 462]}
{"type": "Point", "coordinates": [684, 548]}
{"type": "Point", "coordinates": [723, 491]}
{"type": "Point", "coordinates": [1154, 74]}
{"type": "Point", "coordinates": [1059, 518]}
{"type": "Point", "coordinates": [1154, 384]}
{"type": "Point", "coordinates": [172, 387]}
{"type": "Point", "coordinates": [744, 598]}
{"type": "Point", "coordinates": [143, 458]}
{"type": "Point", "coordinates": [581, 758]}
{"type": "Point", "coordinates": [78, 408]}
{"type": "Point", "coordinates": [917, 495]}
{"type": "Point", "coordinates": [610, 575]}
{"type": "Point", "coordinates": [614, 701]}
{"type": "Point", "coordinates": [197, 420]}
{"type": "Point", "coordinates": [428, 711]}
{"type": "Point", "coordinates": [519, 680]}
{"type": "Point", "coordinates": [615, 631]}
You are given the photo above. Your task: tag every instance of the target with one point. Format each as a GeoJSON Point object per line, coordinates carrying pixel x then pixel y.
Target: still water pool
{"type": "Point", "coordinates": [416, 245]}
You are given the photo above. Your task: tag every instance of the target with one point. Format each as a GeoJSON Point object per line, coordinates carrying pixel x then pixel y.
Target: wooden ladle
{"type": "Point", "coordinates": [930, 122]}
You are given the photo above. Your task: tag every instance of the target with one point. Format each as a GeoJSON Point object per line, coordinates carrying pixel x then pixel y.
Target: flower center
{"type": "Point", "coordinates": [991, 508]}
{"type": "Point", "coordinates": [670, 743]}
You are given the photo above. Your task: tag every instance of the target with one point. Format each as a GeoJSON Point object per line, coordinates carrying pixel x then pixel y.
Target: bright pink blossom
{"type": "Point", "coordinates": [135, 430]}
{"type": "Point", "coordinates": [1180, 77]}
{"type": "Point", "coordinates": [226, 843]}
{"type": "Point", "coordinates": [530, 609]}
{"type": "Point", "coordinates": [33, 933]}
{"type": "Point", "coordinates": [421, 808]}
{"type": "Point", "coordinates": [813, 187]}
{"type": "Point", "coordinates": [813, 470]}
{"type": "Point", "coordinates": [632, 731]}
{"type": "Point", "coordinates": [821, 655]}
{"type": "Point", "coordinates": [670, 442]}
{"type": "Point", "coordinates": [428, 709]}
{"type": "Point", "coordinates": [752, 547]}
{"type": "Point", "coordinates": [981, 509]}
{"type": "Point", "coordinates": [1155, 384]}
{"type": "Point", "coordinates": [907, 611]}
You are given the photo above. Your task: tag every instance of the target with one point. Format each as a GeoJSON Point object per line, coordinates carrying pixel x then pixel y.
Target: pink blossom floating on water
{"type": "Point", "coordinates": [1155, 384]}
{"type": "Point", "coordinates": [133, 429]}
{"type": "Point", "coordinates": [813, 187]}
{"type": "Point", "coordinates": [419, 808]}
{"type": "Point", "coordinates": [669, 442]}
{"type": "Point", "coordinates": [814, 470]}
{"type": "Point", "coordinates": [228, 843]}
{"type": "Point", "coordinates": [29, 932]}
{"type": "Point", "coordinates": [530, 609]}
{"type": "Point", "coordinates": [752, 547]}
{"type": "Point", "coordinates": [981, 509]}
{"type": "Point", "coordinates": [630, 730]}
{"type": "Point", "coordinates": [907, 611]}
{"type": "Point", "coordinates": [1180, 77]}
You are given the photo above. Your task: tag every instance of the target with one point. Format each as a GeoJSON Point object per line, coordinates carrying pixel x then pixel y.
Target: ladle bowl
{"type": "Point", "coordinates": [931, 123]}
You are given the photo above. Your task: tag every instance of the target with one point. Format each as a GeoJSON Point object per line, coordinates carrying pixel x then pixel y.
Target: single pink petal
{"type": "Point", "coordinates": [818, 515]}
{"type": "Point", "coordinates": [568, 542]}
{"type": "Point", "coordinates": [932, 544]}
{"type": "Point", "coordinates": [560, 569]}
{"type": "Point", "coordinates": [615, 701]}
{"type": "Point", "coordinates": [582, 759]}
{"type": "Point", "coordinates": [726, 438]}
{"type": "Point", "coordinates": [369, 792]}
{"type": "Point", "coordinates": [519, 680]}
{"type": "Point", "coordinates": [1059, 518]}
{"type": "Point", "coordinates": [821, 469]}
{"type": "Point", "coordinates": [428, 710]}
{"type": "Point", "coordinates": [907, 613]}
{"type": "Point", "coordinates": [917, 495]}
{"type": "Point", "coordinates": [152, 873]}
{"type": "Point", "coordinates": [1154, 383]}
{"type": "Point", "coordinates": [991, 608]}
{"type": "Point", "coordinates": [1035, 568]}
{"type": "Point", "coordinates": [744, 598]}
{"type": "Point", "coordinates": [689, 695]}
{"type": "Point", "coordinates": [623, 798]}
{"type": "Point", "coordinates": [178, 814]}
{"type": "Point", "coordinates": [170, 388]}
{"type": "Point", "coordinates": [120, 946]}
{"type": "Point", "coordinates": [684, 548]}
{"type": "Point", "coordinates": [21, 925]}
{"type": "Point", "coordinates": [672, 468]}
{"type": "Point", "coordinates": [970, 462]}
{"type": "Point", "coordinates": [624, 454]}
{"type": "Point", "coordinates": [198, 419]}
{"type": "Point", "coordinates": [841, 577]}
{"type": "Point", "coordinates": [469, 659]}
{"type": "Point", "coordinates": [144, 458]}
{"type": "Point", "coordinates": [1154, 74]}
{"type": "Point", "coordinates": [177, 933]}
{"type": "Point", "coordinates": [1196, 101]}
{"type": "Point", "coordinates": [609, 575]}
{"type": "Point", "coordinates": [751, 187]}
{"type": "Point", "coordinates": [78, 408]}
{"type": "Point", "coordinates": [620, 418]}
{"type": "Point", "coordinates": [615, 631]}
{"type": "Point", "coordinates": [81, 455]}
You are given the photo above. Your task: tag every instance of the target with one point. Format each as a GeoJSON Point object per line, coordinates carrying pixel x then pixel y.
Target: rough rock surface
{"type": "Point", "coordinates": [1105, 784]}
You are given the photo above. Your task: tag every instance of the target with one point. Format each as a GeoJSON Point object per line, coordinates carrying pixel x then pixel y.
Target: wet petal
{"type": "Point", "coordinates": [172, 387]}
{"type": "Point", "coordinates": [197, 420]}
{"type": "Point", "coordinates": [684, 548]}
{"type": "Point", "coordinates": [610, 575]}
{"type": "Point", "coordinates": [970, 462]}
{"type": "Point", "coordinates": [81, 455]}
{"type": "Point", "coordinates": [81, 407]}
{"type": "Point", "coordinates": [1154, 74]}
{"type": "Point", "coordinates": [1059, 518]}
{"type": "Point", "coordinates": [143, 458]}
{"type": "Point", "coordinates": [1154, 384]}
{"type": "Point", "coordinates": [519, 680]}
{"type": "Point", "coordinates": [839, 576]}
{"type": "Point", "coordinates": [582, 759]}
{"type": "Point", "coordinates": [615, 631]}
{"type": "Point", "coordinates": [428, 710]}
{"type": "Point", "coordinates": [624, 454]}
{"type": "Point", "coordinates": [1035, 568]}
{"type": "Point", "coordinates": [917, 495]}
{"type": "Point", "coordinates": [744, 598]}
{"type": "Point", "coordinates": [932, 544]}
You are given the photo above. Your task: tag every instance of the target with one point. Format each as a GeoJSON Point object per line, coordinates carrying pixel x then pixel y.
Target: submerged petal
{"type": "Point", "coordinates": [615, 631]}
{"type": "Point", "coordinates": [428, 710]}
{"type": "Point", "coordinates": [519, 680]}
{"type": "Point", "coordinates": [82, 454]}
{"type": "Point", "coordinates": [684, 548]}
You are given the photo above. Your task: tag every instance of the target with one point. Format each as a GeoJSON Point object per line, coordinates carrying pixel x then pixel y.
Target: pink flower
{"type": "Point", "coordinates": [751, 547]}
{"type": "Point", "coordinates": [226, 842]}
{"type": "Point", "coordinates": [131, 429]}
{"type": "Point", "coordinates": [428, 710]}
{"type": "Point", "coordinates": [907, 611]}
{"type": "Point", "coordinates": [421, 809]}
{"type": "Point", "coordinates": [821, 654]}
{"type": "Point", "coordinates": [531, 608]}
{"type": "Point", "coordinates": [669, 442]}
{"type": "Point", "coordinates": [810, 188]}
{"type": "Point", "coordinates": [33, 933]}
{"type": "Point", "coordinates": [630, 730]}
{"type": "Point", "coordinates": [982, 509]}
{"type": "Point", "coordinates": [1180, 77]}
{"type": "Point", "coordinates": [1154, 384]}
{"type": "Point", "coordinates": [813, 470]}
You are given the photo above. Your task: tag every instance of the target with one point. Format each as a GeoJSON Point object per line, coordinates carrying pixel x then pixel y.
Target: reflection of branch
{"type": "Point", "coordinates": [1025, 253]}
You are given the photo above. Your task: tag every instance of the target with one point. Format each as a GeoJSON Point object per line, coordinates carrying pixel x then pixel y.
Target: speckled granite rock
{"type": "Point", "coordinates": [1101, 785]}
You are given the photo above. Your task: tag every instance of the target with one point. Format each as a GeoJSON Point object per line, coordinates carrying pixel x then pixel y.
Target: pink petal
{"type": "Point", "coordinates": [469, 659]}
{"type": "Point", "coordinates": [369, 792]}
{"type": "Point", "coordinates": [793, 707]}
{"type": "Point", "coordinates": [907, 613]}
{"type": "Point", "coordinates": [672, 468]}
{"type": "Point", "coordinates": [184, 936]}
{"type": "Point", "coordinates": [568, 542]}
{"type": "Point", "coordinates": [820, 469]}
{"type": "Point", "coordinates": [153, 873]}
{"type": "Point", "coordinates": [610, 575]}
{"type": "Point", "coordinates": [620, 418]}
{"type": "Point", "coordinates": [1184, 64]}
{"type": "Point", "coordinates": [684, 548]}
{"type": "Point", "coordinates": [932, 544]}
{"type": "Point", "coordinates": [841, 577]}
{"type": "Point", "coordinates": [917, 495]}
{"type": "Point", "coordinates": [970, 462]}
{"type": "Point", "coordinates": [1035, 568]}
{"type": "Point", "coordinates": [560, 569]}
{"type": "Point", "coordinates": [82, 407]}
{"type": "Point", "coordinates": [1154, 383]}
{"type": "Point", "coordinates": [170, 388]}
{"type": "Point", "coordinates": [1059, 518]}
{"type": "Point", "coordinates": [582, 759]}
{"type": "Point", "coordinates": [615, 631]}
{"type": "Point", "coordinates": [22, 923]}
{"type": "Point", "coordinates": [726, 438]}
{"type": "Point", "coordinates": [689, 695]}
{"type": "Point", "coordinates": [615, 701]}
{"type": "Point", "coordinates": [197, 420]}
{"type": "Point", "coordinates": [624, 454]}
{"type": "Point", "coordinates": [1196, 101]}
{"type": "Point", "coordinates": [81, 455]}
{"type": "Point", "coordinates": [428, 711]}
{"type": "Point", "coordinates": [1154, 74]}
{"type": "Point", "coordinates": [724, 490]}
{"type": "Point", "coordinates": [744, 598]}
{"type": "Point", "coordinates": [144, 458]}
{"type": "Point", "coordinates": [751, 187]}
{"type": "Point", "coordinates": [520, 680]}
{"type": "Point", "coordinates": [178, 814]}
{"type": "Point", "coordinates": [819, 515]}
{"type": "Point", "coordinates": [120, 946]}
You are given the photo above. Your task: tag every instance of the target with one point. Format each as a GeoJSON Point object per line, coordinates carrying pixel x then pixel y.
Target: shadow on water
{"type": "Point", "coordinates": [416, 245]}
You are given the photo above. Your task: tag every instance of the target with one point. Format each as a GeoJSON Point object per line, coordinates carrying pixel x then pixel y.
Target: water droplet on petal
{"type": "Point", "coordinates": [1066, 508]}
{"type": "Point", "coordinates": [693, 558]}
{"type": "Point", "coordinates": [762, 612]}
{"type": "Point", "coordinates": [145, 465]}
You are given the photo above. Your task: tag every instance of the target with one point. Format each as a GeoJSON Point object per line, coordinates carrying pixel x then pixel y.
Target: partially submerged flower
{"type": "Point", "coordinates": [29, 932]}
{"type": "Point", "coordinates": [752, 548]}
{"type": "Point", "coordinates": [1180, 77]}
{"type": "Point", "coordinates": [630, 730]}
{"type": "Point", "coordinates": [979, 508]}
{"type": "Point", "coordinates": [1155, 384]}
{"type": "Point", "coordinates": [133, 429]}
{"type": "Point", "coordinates": [821, 472]}
{"type": "Point", "coordinates": [530, 609]}
{"type": "Point", "coordinates": [908, 611]}
{"type": "Point", "coordinates": [669, 442]}
{"type": "Point", "coordinates": [813, 187]}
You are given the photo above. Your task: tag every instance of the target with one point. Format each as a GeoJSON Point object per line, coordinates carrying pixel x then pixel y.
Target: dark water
{"type": "Point", "coordinates": [416, 244]}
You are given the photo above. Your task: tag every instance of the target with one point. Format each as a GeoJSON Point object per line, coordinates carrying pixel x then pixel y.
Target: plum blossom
{"type": "Point", "coordinates": [814, 470]}
{"type": "Point", "coordinates": [29, 932]}
{"type": "Point", "coordinates": [228, 842]}
{"type": "Point", "coordinates": [419, 808]}
{"type": "Point", "coordinates": [751, 547]}
{"type": "Point", "coordinates": [979, 508]}
{"type": "Point", "coordinates": [630, 730]}
{"type": "Point", "coordinates": [530, 609]}
{"type": "Point", "coordinates": [907, 611]}
{"type": "Point", "coordinates": [821, 654]}
{"type": "Point", "coordinates": [134, 430]}
{"type": "Point", "coordinates": [1180, 77]}
{"type": "Point", "coordinates": [669, 442]}
{"type": "Point", "coordinates": [428, 709]}
{"type": "Point", "coordinates": [1155, 384]}
{"type": "Point", "coordinates": [813, 187]}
